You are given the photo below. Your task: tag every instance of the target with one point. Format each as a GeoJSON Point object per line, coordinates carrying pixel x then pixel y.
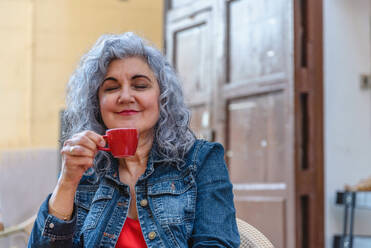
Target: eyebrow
{"type": "Point", "coordinates": [133, 77]}
{"type": "Point", "coordinates": [139, 76]}
{"type": "Point", "coordinates": [110, 78]}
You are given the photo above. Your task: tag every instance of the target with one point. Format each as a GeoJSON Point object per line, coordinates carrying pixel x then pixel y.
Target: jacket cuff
{"type": "Point", "coordinates": [54, 228]}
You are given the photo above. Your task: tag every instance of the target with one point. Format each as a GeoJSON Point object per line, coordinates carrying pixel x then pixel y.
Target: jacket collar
{"type": "Point", "coordinates": [113, 174]}
{"type": "Point", "coordinates": [154, 158]}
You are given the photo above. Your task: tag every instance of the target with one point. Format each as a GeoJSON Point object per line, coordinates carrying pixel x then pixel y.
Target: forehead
{"type": "Point", "coordinates": [130, 65]}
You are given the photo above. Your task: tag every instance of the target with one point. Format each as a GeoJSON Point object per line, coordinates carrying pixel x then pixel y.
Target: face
{"type": "Point", "coordinates": [128, 96]}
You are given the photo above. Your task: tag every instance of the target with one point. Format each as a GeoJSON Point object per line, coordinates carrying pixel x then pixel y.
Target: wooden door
{"type": "Point", "coordinates": [259, 111]}
{"type": "Point", "coordinates": [236, 62]}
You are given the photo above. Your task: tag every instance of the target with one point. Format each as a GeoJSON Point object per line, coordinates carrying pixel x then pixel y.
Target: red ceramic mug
{"type": "Point", "coordinates": [122, 142]}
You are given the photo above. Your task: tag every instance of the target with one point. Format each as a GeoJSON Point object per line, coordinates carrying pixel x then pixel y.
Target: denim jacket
{"type": "Point", "coordinates": [189, 205]}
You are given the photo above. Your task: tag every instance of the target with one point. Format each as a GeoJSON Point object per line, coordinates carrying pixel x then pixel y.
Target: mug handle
{"type": "Point", "coordinates": [104, 148]}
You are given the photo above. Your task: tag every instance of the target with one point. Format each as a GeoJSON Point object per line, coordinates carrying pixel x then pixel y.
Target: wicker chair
{"type": "Point", "coordinates": [251, 237]}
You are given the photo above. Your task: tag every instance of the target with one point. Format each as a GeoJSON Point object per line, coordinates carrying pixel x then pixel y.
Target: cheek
{"type": "Point", "coordinates": [155, 113]}
{"type": "Point", "coordinates": [155, 106]}
{"type": "Point", "coordinates": [158, 110]}
{"type": "Point", "coordinates": [104, 105]}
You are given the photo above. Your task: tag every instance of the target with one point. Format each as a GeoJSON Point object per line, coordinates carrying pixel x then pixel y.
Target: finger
{"type": "Point", "coordinates": [66, 142]}
{"type": "Point", "coordinates": [79, 161]}
{"type": "Point", "coordinates": [85, 141]}
{"type": "Point", "coordinates": [89, 139]}
{"type": "Point", "coordinates": [77, 150]}
{"type": "Point", "coordinates": [96, 138]}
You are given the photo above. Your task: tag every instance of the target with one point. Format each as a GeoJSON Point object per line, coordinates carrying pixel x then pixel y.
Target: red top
{"type": "Point", "coordinates": [131, 235]}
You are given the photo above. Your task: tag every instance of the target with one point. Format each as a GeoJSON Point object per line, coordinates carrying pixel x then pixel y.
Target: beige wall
{"type": "Point", "coordinates": [42, 41]}
{"type": "Point", "coordinates": [15, 71]}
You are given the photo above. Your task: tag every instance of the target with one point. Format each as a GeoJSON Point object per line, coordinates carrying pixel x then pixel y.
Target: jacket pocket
{"type": "Point", "coordinates": [173, 200]}
{"type": "Point", "coordinates": [83, 199]}
{"type": "Point", "coordinates": [95, 210]}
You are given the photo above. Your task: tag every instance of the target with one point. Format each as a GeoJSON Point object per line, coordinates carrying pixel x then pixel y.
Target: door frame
{"type": "Point", "coordinates": [309, 123]}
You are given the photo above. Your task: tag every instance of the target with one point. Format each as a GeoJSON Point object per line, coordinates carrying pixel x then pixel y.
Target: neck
{"type": "Point", "coordinates": [136, 165]}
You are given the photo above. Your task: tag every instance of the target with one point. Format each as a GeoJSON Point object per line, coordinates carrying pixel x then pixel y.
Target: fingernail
{"type": "Point", "coordinates": [102, 143]}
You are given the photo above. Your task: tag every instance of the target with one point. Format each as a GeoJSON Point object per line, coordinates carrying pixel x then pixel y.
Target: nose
{"type": "Point", "coordinates": [126, 95]}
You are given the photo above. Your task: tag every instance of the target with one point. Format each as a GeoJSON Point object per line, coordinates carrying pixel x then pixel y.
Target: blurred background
{"type": "Point", "coordinates": [284, 85]}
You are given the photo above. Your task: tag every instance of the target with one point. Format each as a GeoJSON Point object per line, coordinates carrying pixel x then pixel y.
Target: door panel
{"type": "Point", "coordinates": [256, 38]}
{"type": "Point", "coordinates": [189, 49]}
{"type": "Point", "coordinates": [267, 209]}
{"type": "Point", "coordinates": [256, 134]}
{"type": "Point", "coordinates": [192, 39]}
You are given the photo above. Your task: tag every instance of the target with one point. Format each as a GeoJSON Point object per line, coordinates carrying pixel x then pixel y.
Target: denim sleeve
{"type": "Point", "coordinates": [49, 231]}
{"type": "Point", "coordinates": [215, 220]}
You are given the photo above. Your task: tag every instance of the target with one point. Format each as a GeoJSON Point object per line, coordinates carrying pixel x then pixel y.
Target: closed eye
{"type": "Point", "coordinates": [141, 86]}
{"type": "Point", "coordinates": [111, 88]}
{"type": "Point", "coordinates": [110, 84]}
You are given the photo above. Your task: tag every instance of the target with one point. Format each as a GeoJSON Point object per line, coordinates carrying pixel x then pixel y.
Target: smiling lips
{"type": "Point", "coordinates": [128, 112]}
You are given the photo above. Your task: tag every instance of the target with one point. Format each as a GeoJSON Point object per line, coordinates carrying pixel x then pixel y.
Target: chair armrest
{"type": "Point", "coordinates": [251, 237]}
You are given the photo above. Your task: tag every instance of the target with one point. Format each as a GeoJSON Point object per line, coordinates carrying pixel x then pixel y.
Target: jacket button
{"type": "Point", "coordinates": [144, 203]}
{"type": "Point", "coordinates": [152, 235]}
{"type": "Point", "coordinates": [51, 225]}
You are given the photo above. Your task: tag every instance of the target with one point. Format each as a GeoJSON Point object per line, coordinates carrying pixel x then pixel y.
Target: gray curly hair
{"type": "Point", "coordinates": [172, 135]}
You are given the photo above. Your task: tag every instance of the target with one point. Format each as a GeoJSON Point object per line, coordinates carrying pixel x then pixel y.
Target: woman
{"type": "Point", "coordinates": [174, 192]}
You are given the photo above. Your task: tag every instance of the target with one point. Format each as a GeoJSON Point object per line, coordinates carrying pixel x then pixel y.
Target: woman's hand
{"type": "Point", "coordinates": [78, 154]}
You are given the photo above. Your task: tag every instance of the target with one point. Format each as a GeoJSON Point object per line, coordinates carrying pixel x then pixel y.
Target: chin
{"type": "Point", "coordinates": [125, 124]}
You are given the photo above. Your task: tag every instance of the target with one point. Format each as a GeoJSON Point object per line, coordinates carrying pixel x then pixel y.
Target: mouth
{"type": "Point", "coordinates": [128, 112]}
